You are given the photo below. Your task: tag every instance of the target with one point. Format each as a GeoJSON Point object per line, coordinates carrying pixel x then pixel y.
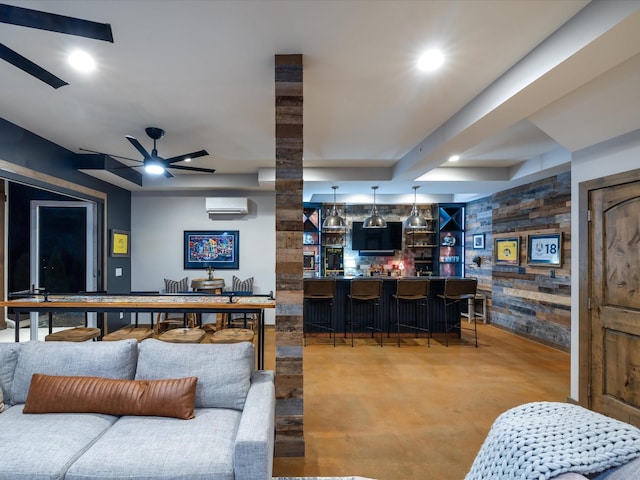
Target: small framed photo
{"type": "Point", "coordinates": [120, 242]}
{"type": "Point", "coordinates": [478, 241]}
{"type": "Point", "coordinates": [544, 249]}
{"type": "Point", "coordinates": [507, 251]}
{"type": "Point", "coordinates": [219, 250]}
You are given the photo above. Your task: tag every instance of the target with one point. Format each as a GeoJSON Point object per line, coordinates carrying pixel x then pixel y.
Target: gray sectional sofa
{"type": "Point", "coordinates": [231, 436]}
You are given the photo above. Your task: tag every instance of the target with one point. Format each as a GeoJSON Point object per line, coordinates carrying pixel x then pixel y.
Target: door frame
{"type": "Point", "coordinates": [585, 276]}
{"type": "Point", "coordinates": [91, 260]}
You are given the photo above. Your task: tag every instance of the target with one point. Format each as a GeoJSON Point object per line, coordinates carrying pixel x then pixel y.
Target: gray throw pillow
{"type": "Point", "coordinates": [238, 285]}
{"type": "Point", "coordinates": [176, 286]}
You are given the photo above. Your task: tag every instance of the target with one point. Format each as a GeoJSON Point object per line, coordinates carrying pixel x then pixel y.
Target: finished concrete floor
{"type": "Point", "coordinates": [414, 413]}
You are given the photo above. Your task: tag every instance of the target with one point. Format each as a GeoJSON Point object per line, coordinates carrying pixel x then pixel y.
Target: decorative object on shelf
{"type": "Point", "coordinates": [374, 220]}
{"type": "Point", "coordinates": [120, 243]}
{"type": "Point", "coordinates": [478, 241]}
{"type": "Point", "coordinates": [334, 221]}
{"type": "Point", "coordinates": [544, 249]}
{"type": "Point", "coordinates": [449, 240]}
{"type": "Point", "coordinates": [415, 221]}
{"type": "Point", "coordinates": [507, 251]}
{"type": "Point", "coordinates": [215, 249]}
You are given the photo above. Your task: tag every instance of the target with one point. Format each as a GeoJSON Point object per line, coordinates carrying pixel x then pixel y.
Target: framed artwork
{"type": "Point", "coordinates": [544, 249]}
{"type": "Point", "coordinates": [478, 241]}
{"type": "Point", "coordinates": [215, 249]}
{"type": "Point", "coordinates": [507, 251]}
{"type": "Point", "coordinates": [120, 243]}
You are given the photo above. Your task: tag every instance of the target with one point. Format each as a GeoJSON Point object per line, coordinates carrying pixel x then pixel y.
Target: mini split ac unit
{"type": "Point", "coordinates": [224, 205]}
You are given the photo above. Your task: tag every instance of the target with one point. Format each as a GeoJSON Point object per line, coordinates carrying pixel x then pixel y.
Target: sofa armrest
{"type": "Point", "coordinates": [253, 454]}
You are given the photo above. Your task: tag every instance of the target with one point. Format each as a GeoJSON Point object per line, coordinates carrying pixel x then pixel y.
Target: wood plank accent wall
{"type": "Point", "coordinates": [289, 145]}
{"type": "Point", "coordinates": [532, 301]}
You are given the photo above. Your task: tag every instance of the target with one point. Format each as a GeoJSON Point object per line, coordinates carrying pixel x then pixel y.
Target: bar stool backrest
{"type": "Point", "coordinates": [364, 287]}
{"type": "Point", "coordinates": [460, 287]}
{"type": "Point", "coordinates": [413, 288]}
{"type": "Point", "coordinates": [319, 287]}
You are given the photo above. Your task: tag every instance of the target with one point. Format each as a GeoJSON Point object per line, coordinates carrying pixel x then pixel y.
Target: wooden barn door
{"type": "Point", "coordinates": [615, 301]}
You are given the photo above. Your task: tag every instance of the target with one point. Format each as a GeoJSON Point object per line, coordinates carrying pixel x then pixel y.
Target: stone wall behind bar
{"type": "Point", "coordinates": [289, 146]}
{"type": "Point", "coordinates": [532, 301]}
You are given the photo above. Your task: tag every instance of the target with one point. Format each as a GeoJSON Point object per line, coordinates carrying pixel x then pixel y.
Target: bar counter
{"type": "Point", "coordinates": [435, 305]}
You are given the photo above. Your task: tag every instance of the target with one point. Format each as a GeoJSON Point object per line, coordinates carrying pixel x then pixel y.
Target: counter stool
{"type": "Point", "coordinates": [364, 292]}
{"type": "Point", "coordinates": [457, 290]}
{"type": "Point", "coordinates": [318, 306]}
{"type": "Point", "coordinates": [137, 333]}
{"type": "Point", "coordinates": [182, 335]}
{"type": "Point", "coordinates": [75, 334]}
{"type": "Point", "coordinates": [232, 335]}
{"type": "Point", "coordinates": [414, 294]}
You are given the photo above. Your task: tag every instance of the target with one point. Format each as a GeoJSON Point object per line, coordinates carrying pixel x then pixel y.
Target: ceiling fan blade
{"type": "Point", "coordinates": [167, 173]}
{"type": "Point", "coordinates": [26, 17]}
{"type": "Point", "coordinates": [193, 169]}
{"type": "Point", "coordinates": [180, 158]}
{"type": "Point", "coordinates": [29, 67]}
{"type": "Point", "coordinates": [109, 155]}
{"type": "Point", "coordinates": [134, 141]}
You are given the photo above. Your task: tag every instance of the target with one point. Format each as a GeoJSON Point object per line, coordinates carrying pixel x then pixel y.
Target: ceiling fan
{"type": "Point", "coordinates": [155, 164]}
{"type": "Point", "coordinates": [26, 17]}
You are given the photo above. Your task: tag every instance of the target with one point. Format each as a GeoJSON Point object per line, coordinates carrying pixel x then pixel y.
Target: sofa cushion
{"type": "Point", "coordinates": [96, 359]}
{"type": "Point", "coordinates": [62, 394]}
{"type": "Point", "coordinates": [43, 446]}
{"type": "Point", "coordinates": [8, 360]}
{"type": "Point", "coordinates": [223, 371]}
{"type": "Point", "coordinates": [164, 448]}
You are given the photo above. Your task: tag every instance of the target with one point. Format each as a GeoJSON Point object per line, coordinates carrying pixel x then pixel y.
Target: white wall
{"type": "Point", "coordinates": [619, 155]}
{"type": "Point", "coordinates": [159, 220]}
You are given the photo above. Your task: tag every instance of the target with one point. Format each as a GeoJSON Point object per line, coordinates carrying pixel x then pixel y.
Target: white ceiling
{"type": "Point", "coordinates": [513, 98]}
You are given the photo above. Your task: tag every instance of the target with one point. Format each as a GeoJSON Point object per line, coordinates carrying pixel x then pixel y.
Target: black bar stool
{"type": "Point", "coordinates": [455, 291]}
{"type": "Point", "coordinates": [318, 306]}
{"type": "Point", "coordinates": [413, 293]}
{"type": "Point", "coordinates": [365, 292]}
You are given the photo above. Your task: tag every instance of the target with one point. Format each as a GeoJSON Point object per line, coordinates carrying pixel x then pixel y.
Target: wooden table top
{"type": "Point", "coordinates": [155, 302]}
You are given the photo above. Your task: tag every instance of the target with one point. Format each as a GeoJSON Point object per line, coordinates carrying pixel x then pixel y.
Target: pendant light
{"type": "Point", "coordinates": [415, 221]}
{"type": "Point", "coordinates": [334, 221]}
{"type": "Point", "coordinates": [374, 220]}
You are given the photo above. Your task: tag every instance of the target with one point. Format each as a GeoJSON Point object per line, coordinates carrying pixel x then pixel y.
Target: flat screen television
{"type": "Point", "coordinates": [376, 239]}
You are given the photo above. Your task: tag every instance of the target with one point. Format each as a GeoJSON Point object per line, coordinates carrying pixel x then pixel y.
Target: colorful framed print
{"type": "Point", "coordinates": [215, 249]}
{"type": "Point", "coordinates": [507, 251]}
{"type": "Point", "coordinates": [120, 243]}
{"type": "Point", "coordinates": [544, 249]}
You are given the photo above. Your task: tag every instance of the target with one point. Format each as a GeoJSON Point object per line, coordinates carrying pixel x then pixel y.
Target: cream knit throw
{"type": "Point", "coordinates": [540, 440]}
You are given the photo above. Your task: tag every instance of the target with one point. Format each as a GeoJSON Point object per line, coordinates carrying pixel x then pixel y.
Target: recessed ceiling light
{"type": "Point", "coordinates": [82, 61]}
{"type": "Point", "coordinates": [454, 158]}
{"type": "Point", "coordinates": [431, 60]}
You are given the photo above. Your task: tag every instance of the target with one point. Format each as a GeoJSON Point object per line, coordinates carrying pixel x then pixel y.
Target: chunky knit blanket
{"type": "Point", "coordinates": [541, 440]}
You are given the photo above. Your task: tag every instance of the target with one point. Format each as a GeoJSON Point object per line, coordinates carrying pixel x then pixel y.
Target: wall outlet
{"type": "Point", "coordinates": [118, 272]}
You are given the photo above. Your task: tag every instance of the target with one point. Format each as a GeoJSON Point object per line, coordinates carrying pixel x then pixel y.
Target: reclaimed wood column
{"type": "Point", "coordinates": [289, 440]}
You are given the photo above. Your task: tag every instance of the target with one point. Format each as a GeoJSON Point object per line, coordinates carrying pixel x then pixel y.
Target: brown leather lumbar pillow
{"type": "Point", "coordinates": [62, 394]}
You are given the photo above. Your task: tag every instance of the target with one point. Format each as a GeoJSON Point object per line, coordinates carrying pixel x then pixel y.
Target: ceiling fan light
{"type": "Point", "coordinates": [153, 167]}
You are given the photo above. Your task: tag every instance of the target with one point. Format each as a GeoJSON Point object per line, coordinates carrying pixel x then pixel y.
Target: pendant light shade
{"type": "Point", "coordinates": [334, 221]}
{"type": "Point", "coordinates": [374, 220]}
{"type": "Point", "coordinates": [415, 221]}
